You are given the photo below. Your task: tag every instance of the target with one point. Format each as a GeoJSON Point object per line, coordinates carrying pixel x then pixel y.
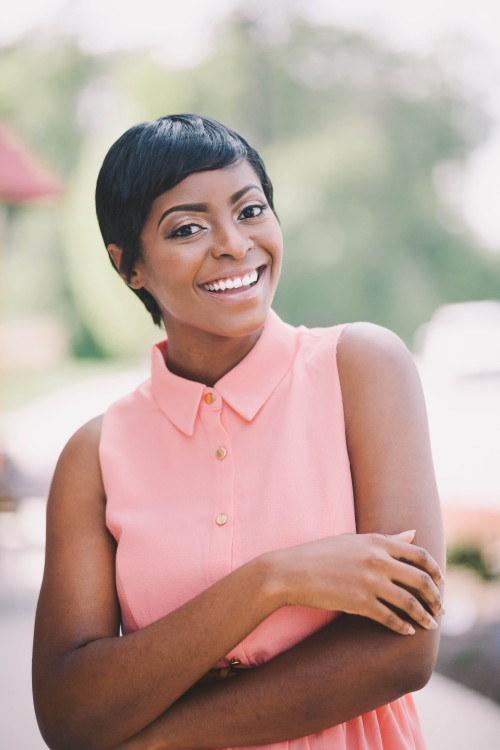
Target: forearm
{"type": "Point", "coordinates": [110, 688]}
{"type": "Point", "coordinates": [100, 690]}
{"type": "Point", "coordinates": [348, 668]}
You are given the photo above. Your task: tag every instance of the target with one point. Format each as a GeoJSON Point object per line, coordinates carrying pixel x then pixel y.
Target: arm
{"type": "Point", "coordinates": [94, 689]}
{"type": "Point", "coordinates": [91, 687]}
{"type": "Point", "coordinates": [353, 665]}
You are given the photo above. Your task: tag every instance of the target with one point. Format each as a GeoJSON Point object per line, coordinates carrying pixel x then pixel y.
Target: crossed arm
{"type": "Point", "coordinates": [95, 689]}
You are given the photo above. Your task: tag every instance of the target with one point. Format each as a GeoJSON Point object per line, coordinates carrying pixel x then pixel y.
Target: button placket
{"type": "Point", "coordinates": [222, 489]}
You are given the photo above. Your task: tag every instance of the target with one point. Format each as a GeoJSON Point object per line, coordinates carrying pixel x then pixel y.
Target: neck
{"type": "Point", "coordinates": [209, 359]}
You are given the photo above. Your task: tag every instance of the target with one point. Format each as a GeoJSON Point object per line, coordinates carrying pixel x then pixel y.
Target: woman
{"type": "Point", "coordinates": [211, 515]}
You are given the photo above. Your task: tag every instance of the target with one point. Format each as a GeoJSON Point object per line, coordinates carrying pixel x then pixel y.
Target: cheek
{"type": "Point", "coordinates": [168, 271]}
{"type": "Point", "coordinates": [277, 247]}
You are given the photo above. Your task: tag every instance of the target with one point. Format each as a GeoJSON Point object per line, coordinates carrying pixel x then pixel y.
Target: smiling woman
{"type": "Point", "coordinates": [209, 229]}
{"type": "Point", "coordinates": [243, 513]}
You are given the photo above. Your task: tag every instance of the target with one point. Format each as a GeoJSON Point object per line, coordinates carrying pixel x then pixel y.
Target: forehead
{"type": "Point", "coordinates": [209, 186]}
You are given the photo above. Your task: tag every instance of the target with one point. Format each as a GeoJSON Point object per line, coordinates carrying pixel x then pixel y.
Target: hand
{"type": "Point", "coordinates": [365, 574]}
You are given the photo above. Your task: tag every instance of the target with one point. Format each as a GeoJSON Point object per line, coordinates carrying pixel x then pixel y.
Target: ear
{"type": "Point", "coordinates": [116, 253]}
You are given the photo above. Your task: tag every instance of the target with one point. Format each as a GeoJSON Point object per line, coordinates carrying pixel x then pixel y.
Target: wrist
{"type": "Point", "coordinates": [274, 585]}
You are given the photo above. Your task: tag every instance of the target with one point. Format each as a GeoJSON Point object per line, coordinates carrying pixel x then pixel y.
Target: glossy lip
{"type": "Point", "coordinates": [233, 275]}
{"type": "Point", "coordinates": [246, 291]}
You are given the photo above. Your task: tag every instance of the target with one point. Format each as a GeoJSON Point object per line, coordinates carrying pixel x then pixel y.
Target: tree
{"type": "Point", "coordinates": [355, 138]}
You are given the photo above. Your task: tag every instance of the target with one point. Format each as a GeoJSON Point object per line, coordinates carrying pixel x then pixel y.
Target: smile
{"type": "Point", "coordinates": [249, 279]}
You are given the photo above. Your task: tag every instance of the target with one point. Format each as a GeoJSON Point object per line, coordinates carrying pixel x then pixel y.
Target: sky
{"type": "Point", "coordinates": [180, 32]}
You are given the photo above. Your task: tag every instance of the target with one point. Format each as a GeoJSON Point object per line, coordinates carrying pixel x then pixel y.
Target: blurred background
{"type": "Point", "coordinates": [379, 123]}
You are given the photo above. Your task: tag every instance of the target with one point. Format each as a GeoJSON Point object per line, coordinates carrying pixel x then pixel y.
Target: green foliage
{"type": "Point", "coordinates": [472, 557]}
{"type": "Point", "coordinates": [353, 136]}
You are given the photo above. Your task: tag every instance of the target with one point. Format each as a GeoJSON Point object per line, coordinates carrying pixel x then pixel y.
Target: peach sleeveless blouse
{"type": "Point", "coordinates": [200, 480]}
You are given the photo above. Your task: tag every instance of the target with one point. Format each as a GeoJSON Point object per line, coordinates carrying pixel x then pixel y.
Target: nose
{"type": "Point", "coordinates": [230, 240]}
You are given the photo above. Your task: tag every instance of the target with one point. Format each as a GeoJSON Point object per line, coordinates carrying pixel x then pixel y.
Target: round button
{"type": "Point", "coordinates": [221, 453]}
{"type": "Point", "coordinates": [209, 398]}
{"type": "Point", "coordinates": [221, 519]}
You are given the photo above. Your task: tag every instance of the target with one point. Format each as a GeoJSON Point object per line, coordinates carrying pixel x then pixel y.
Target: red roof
{"type": "Point", "coordinates": [23, 177]}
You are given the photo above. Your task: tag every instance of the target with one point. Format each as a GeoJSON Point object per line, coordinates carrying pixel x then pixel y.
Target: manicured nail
{"type": "Point", "coordinates": [411, 630]}
{"type": "Point", "coordinates": [442, 611]}
{"type": "Point", "coordinates": [432, 624]}
{"type": "Point", "coordinates": [407, 534]}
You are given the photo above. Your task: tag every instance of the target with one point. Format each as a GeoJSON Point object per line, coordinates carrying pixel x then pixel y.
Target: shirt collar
{"type": "Point", "coordinates": [246, 387]}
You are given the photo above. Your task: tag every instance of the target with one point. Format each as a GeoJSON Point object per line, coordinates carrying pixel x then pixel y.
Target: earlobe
{"type": "Point", "coordinates": [115, 254]}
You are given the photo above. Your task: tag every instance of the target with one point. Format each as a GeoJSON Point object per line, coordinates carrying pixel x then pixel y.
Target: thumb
{"type": "Point", "coordinates": [405, 536]}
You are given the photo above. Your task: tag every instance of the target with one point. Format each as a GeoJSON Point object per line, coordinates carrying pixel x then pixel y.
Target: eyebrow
{"type": "Point", "coordinates": [202, 207]}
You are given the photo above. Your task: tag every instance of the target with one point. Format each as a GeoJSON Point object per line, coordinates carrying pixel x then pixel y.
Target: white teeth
{"type": "Point", "coordinates": [235, 283]}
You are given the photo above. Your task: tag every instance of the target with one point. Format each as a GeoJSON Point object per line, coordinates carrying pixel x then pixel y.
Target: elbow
{"type": "Point", "coordinates": [61, 733]}
{"type": "Point", "coordinates": [55, 739]}
{"type": "Point", "coordinates": [58, 736]}
{"type": "Point", "coordinates": [419, 662]}
{"type": "Point", "coordinates": [419, 676]}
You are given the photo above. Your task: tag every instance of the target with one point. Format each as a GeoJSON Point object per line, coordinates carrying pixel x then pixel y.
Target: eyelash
{"type": "Point", "coordinates": [176, 233]}
{"type": "Point", "coordinates": [261, 206]}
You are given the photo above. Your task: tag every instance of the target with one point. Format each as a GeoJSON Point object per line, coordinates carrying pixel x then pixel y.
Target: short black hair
{"type": "Point", "coordinates": [153, 157]}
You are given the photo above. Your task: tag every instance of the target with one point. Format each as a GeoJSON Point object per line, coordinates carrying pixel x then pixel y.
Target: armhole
{"type": "Point", "coordinates": [335, 337]}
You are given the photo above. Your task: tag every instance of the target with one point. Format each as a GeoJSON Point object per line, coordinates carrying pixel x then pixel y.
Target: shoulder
{"type": "Point", "coordinates": [377, 374]}
{"type": "Point", "coordinates": [79, 463]}
{"type": "Point", "coordinates": [367, 342]}
{"type": "Point", "coordinates": [372, 352]}
{"type": "Point", "coordinates": [85, 441]}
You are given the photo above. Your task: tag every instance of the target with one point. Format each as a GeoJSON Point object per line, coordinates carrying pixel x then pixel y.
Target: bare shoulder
{"type": "Point", "coordinates": [83, 445]}
{"type": "Point", "coordinates": [363, 344]}
{"type": "Point", "coordinates": [379, 379]}
{"type": "Point", "coordinates": [372, 359]}
{"type": "Point", "coordinates": [77, 479]}
{"type": "Point", "coordinates": [86, 438]}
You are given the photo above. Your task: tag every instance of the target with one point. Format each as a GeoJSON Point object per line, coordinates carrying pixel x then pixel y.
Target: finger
{"type": "Point", "coordinates": [417, 556]}
{"type": "Point", "coordinates": [419, 581]}
{"type": "Point", "coordinates": [381, 613]}
{"type": "Point", "coordinates": [407, 602]}
{"type": "Point", "coordinates": [405, 536]}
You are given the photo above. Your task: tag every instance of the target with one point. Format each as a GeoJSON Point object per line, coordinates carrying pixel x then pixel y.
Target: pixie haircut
{"type": "Point", "coordinates": [153, 157]}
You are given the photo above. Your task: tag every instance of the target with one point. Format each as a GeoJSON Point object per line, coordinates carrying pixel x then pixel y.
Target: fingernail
{"type": "Point", "coordinates": [411, 630]}
{"type": "Point", "coordinates": [442, 611]}
{"type": "Point", "coordinates": [410, 533]}
{"type": "Point", "coordinates": [432, 624]}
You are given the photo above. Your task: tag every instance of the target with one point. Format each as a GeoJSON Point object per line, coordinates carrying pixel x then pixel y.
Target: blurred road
{"type": "Point", "coordinates": [452, 716]}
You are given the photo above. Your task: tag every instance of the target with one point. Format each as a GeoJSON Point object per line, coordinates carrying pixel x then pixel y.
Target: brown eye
{"type": "Point", "coordinates": [186, 230]}
{"type": "Point", "coordinates": [253, 211]}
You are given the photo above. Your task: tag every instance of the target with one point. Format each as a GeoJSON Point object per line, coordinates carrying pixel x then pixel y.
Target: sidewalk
{"type": "Point", "coordinates": [456, 718]}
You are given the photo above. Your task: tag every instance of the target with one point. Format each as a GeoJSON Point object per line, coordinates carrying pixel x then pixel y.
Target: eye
{"type": "Point", "coordinates": [253, 211]}
{"type": "Point", "coordinates": [186, 230]}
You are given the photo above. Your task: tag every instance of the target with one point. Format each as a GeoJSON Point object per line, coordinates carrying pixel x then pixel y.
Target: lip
{"type": "Point", "coordinates": [234, 273]}
{"type": "Point", "coordinates": [239, 293]}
